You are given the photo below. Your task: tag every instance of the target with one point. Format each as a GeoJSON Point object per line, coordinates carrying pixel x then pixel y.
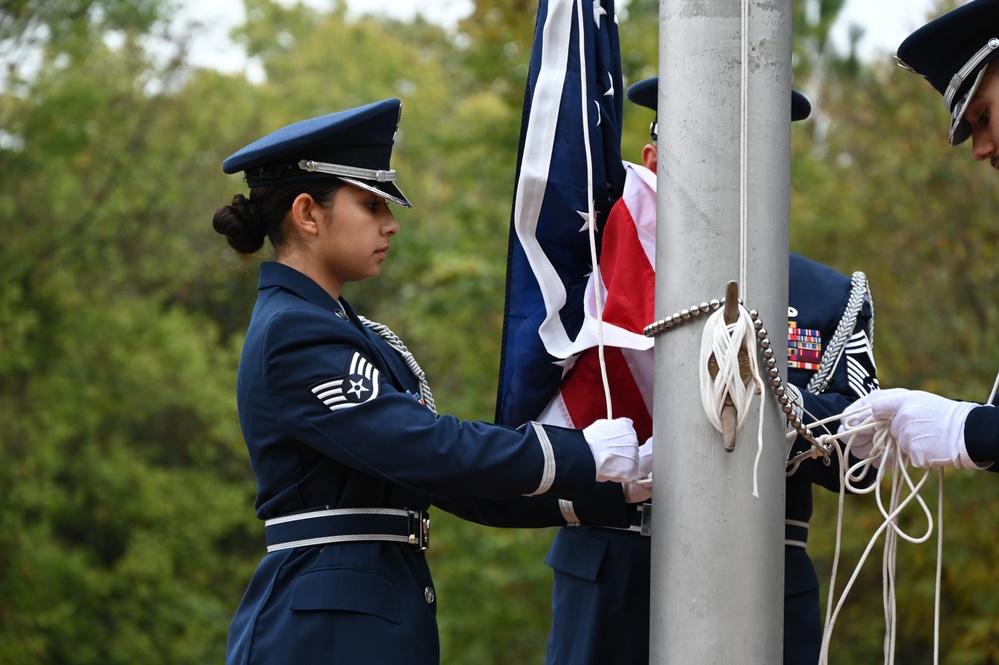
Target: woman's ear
{"type": "Point", "coordinates": [306, 215]}
{"type": "Point", "coordinates": [650, 157]}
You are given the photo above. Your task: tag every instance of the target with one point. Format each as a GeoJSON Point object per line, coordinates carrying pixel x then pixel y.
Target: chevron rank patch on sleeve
{"type": "Point", "coordinates": [358, 386]}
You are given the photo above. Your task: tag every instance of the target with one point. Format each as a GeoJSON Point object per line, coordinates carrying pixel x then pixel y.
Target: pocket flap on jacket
{"type": "Point", "coordinates": [347, 590]}
{"type": "Point", "coordinates": [577, 554]}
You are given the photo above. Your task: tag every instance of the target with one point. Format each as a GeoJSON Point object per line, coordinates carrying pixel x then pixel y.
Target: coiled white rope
{"type": "Point", "coordinates": [724, 342]}
{"type": "Point", "coordinates": [884, 455]}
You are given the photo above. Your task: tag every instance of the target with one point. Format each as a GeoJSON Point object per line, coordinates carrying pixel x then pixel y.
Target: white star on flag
{"type": "Point", "coordinates": [598, 11]}
{"type": "Point", "coordinates": [566, 364]}
{"type": "Point", "coordinates": [587, 221]}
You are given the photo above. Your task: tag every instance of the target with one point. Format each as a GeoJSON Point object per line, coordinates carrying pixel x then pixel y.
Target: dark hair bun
{"type": "Point", "coordinates": [240, 225]}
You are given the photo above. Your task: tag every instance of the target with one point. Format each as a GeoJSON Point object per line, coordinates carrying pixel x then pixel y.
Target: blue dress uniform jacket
{"type": "Point", "coordinates": [333, 418]}
{"type": "Point", "coordinates": [820, 295]}
{"type": "Point", "coordinates": [981, 435]}
{"type": "Point", "coordinates": [601, 597]}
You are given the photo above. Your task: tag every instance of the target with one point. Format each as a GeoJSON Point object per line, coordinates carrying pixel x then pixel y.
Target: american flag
{"type": "Point", "coordinates": [628, 281]}
{"type": "Point", "coordinates": [569, 174]}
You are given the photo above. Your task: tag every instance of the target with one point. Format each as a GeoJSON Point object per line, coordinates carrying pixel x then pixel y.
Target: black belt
{"type": "Point", "coordinates": [348, 525]}
{"type": "Point", "coordinates": [641, 521]}
{"type": "Point", "coordinates": [795, 531]}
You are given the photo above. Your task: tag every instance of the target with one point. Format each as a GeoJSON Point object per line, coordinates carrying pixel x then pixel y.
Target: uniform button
{"type": "Point", "coordinates": [428, 593]}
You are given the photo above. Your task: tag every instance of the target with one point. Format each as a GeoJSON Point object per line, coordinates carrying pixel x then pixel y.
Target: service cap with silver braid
{"type": "Point", "coordinates": [353, 145]}
{"type": "Point", "coordinates": [952, 52]}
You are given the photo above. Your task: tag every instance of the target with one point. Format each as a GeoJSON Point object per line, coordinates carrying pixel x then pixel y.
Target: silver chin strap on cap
{"type": "Point", "coordinates": [360, 177]}
{"type": "Point", "coordinates": [958, 79]}
{"type": "Point", "coordinates": [378, 175]}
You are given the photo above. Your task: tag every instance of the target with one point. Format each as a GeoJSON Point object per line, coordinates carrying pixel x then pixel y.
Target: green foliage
{"type": "Point", "coordinates": [124, 490]}
{"type": "Point", "coordinates": [22, 19]}
{"type": "Point", "coordinates": [499, 37]}
{"type": "Point", "coordinates": [126, 525]}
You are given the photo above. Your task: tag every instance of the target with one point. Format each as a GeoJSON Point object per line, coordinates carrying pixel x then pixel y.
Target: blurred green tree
{"type": "Point", "coordinates": [123, 488]}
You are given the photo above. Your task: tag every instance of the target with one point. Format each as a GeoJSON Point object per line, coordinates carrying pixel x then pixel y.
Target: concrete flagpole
{"type": "Point", "coordinates": [723, 211]}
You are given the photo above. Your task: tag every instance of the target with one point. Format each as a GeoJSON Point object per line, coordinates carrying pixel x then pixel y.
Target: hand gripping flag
{"type": "Point", "coordinates": [569, 174]}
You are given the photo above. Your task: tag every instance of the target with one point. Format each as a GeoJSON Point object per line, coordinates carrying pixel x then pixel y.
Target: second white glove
{"type": "Point", "coordinates": [639, 493]}
{"type": "Point", "coordinates": [928, 428]}
{"type": "Point", "coordinates": [614, 446]}
{"type": "Point", "coordinates": [862, 442]}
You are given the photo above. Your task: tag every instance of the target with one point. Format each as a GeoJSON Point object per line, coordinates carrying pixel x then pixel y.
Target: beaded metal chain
{"type": "Point", "coordinates": [766, 350]}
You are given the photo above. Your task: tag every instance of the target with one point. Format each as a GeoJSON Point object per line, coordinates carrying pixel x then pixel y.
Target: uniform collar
{"type": "Point", "coordinates": [274, 274]}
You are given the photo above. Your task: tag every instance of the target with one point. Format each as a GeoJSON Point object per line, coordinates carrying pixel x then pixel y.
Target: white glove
{"type": "Point", "coordinates": [639, 493]}
{"type": "Point", "coordinates": [614, 445]}
{"type": "Point", "coordinates": [928, 428]}
{"type": "Point", "coordinates": [862, 441]}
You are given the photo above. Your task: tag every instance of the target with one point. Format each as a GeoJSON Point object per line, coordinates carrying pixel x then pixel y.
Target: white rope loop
{"type": "Point", "coordinates": [724, 342]}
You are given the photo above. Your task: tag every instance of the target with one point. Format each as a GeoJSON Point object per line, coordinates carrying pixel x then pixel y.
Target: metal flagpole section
{"type": "Point", "coordinates": [723, 209]}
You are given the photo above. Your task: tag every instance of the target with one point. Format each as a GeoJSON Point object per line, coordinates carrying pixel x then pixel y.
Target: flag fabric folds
{"type": "Point", "coordinates": [569, 164]}
{"type": "Point", "coordinates": [628, 281]}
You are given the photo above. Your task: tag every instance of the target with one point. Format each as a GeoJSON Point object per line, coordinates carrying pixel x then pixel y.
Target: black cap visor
{"type": "Point", "coordinates": [386, 189]}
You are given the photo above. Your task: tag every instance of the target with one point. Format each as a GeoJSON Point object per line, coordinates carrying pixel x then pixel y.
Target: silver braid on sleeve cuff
{"type": "Point", "coordinates": [548, 473]}
{"type": "Point", "coordinates": [568, 512]}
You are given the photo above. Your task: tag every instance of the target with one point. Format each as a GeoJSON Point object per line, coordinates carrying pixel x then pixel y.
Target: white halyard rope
{"type": "Point", "coordinates": [744, 156]}
{"type": "Point", "coordinates": [725, 341]}
{"type": "Point", "coordinates": [883, 456]}
{"type": "Point", "coordinates": [591, 213]}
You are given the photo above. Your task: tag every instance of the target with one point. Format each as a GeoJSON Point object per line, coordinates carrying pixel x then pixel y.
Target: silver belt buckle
{"type": "Point", "coordinates": [419, 530]}
{"type": "Point", "coordinates": [645, 510]}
